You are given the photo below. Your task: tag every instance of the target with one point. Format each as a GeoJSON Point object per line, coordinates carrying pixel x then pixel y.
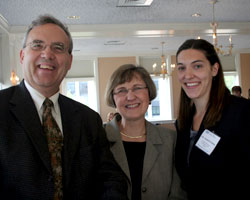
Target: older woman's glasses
{"type": "Point", "coordinates": [123, 91]}
{"type": "Point", "coordinates": [56, 47]}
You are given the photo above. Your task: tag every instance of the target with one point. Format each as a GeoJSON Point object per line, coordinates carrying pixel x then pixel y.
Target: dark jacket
{"type": "Point", "coordinates": [225, 173]}
{"type": "Point", "coordinates": [89, 170]}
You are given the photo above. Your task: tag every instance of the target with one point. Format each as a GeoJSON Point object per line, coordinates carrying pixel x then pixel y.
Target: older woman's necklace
{"type": "Point", "coordinates": [132, 137]}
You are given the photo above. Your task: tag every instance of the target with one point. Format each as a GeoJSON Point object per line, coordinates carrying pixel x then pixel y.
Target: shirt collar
{"type": "Point", "coordinates": [38, 98]}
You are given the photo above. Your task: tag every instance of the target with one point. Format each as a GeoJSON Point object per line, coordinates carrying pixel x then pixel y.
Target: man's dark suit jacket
{"type": "Point", "coordinates": [25, 171]}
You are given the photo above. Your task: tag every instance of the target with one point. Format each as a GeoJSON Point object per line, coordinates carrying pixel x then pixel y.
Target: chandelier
{"type": "Point", "coordinates": [164, 65]}
{"type": "Point", "coordinates": [219, 48]}
{"type": "Point", "coordinates": [14, 78]}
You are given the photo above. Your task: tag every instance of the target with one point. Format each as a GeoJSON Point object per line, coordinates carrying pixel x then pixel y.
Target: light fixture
{"type": "Point", "coordinates": [73, 17]}
{"type": "Point", "coordinates": [214, 25]}
{"type": "Point", "coordinates": [114, 42]}
{"type": "Point", "coordinates": [134, 3]}
{"type": "Point", "coordinates": [164, 65]}
{"type": "Point", "coordinates": [196, 15]}
{"type": "Point", "coordinates": [163, 62]}
{"type": "Point", "coordinates": [14, 78]}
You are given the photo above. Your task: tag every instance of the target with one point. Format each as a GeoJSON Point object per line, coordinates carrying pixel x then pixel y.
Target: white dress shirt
{"type": "Point", "coordinates": [38, 99]}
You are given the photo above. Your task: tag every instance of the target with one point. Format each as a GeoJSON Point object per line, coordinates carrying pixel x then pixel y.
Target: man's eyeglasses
{"type": "Point", "coordinates": [56, 47]}
{"type": "Point", "coordinates": [123, 91]}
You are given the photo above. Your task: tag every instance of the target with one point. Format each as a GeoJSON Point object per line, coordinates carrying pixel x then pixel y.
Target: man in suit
{"type": "Point", "coordinates": [88, 168]}
{"type": "Point", "coordinates": [236, 91]}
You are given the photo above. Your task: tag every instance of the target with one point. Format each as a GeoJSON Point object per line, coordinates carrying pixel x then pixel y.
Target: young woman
{"type": "Point", "coordinates": [213, 128]}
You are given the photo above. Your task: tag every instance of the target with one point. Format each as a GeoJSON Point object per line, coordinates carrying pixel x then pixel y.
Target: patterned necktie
{"type": "Point", "coordinates": [55, 143]}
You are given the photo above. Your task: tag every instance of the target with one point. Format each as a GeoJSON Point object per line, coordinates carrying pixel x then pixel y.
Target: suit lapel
{"type": "Point", "coordinates": [151, 152]}
{"type": "Point", "coordinates": [71, 131]}
{"type": "Point", "coordinates": [23, 107]}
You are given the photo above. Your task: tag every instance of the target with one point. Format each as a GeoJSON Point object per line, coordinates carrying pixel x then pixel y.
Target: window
{"type": "Point", "coordinates": [231, 79]}
{"type": "Point", "coordinates": [82, 90]}
{"type": "Point", "coordinates": [160, 107]}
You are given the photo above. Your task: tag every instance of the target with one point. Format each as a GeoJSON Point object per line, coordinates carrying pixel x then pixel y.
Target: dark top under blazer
{"type": "Point", "coordinates": [25, 171]}
{"type": "Point", "coordinates": [225, 174]}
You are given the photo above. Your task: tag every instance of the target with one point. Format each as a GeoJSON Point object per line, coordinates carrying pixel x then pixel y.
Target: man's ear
{"type": "Point", "coordinates": [21, 56]}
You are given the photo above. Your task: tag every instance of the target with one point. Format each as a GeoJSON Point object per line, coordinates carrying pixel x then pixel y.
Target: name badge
{"type": "Point", "coordinates": [207, 141]}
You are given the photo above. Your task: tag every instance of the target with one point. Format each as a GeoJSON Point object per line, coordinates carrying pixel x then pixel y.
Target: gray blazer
{"type": "Point", "coordinates": [159, 179]}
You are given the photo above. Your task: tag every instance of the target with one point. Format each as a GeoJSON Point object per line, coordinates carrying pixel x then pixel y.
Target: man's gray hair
{"type": "Point", "coordinates": [48, 19]}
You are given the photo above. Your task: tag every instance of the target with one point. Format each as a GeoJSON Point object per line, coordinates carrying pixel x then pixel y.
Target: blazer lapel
{"type": "Point", "coordinates": [120, 157]}
{"type": "Point", "coordinates": [151, 152]}
{"type": "Point", "coordinates": [23, 107]}
{"type": "Point", "coordinates": [113, 135]}
{"type": "Point", "coordinates": [71, 133]}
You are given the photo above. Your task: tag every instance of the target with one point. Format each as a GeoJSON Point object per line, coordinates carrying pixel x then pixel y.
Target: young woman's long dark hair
{"type": "Point", "coordinates": [218, 93]}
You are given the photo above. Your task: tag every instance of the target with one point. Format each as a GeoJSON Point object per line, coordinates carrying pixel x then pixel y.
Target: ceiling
{"type": "Point", "coordinates": [104, 29]}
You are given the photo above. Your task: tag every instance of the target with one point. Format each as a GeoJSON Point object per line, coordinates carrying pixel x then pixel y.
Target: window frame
{"type": "Point", "coordinates": [82, 79]}
{"type": "Point", "coordinates": [231, 73]}
{"type": "Point", "coordinates": [168, 107]}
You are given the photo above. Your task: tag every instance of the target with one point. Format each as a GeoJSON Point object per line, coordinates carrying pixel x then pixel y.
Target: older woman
{"type": "Point", "coordinates": [145, 152]}
{"type": "Point", "coordinates": [213, 128]}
